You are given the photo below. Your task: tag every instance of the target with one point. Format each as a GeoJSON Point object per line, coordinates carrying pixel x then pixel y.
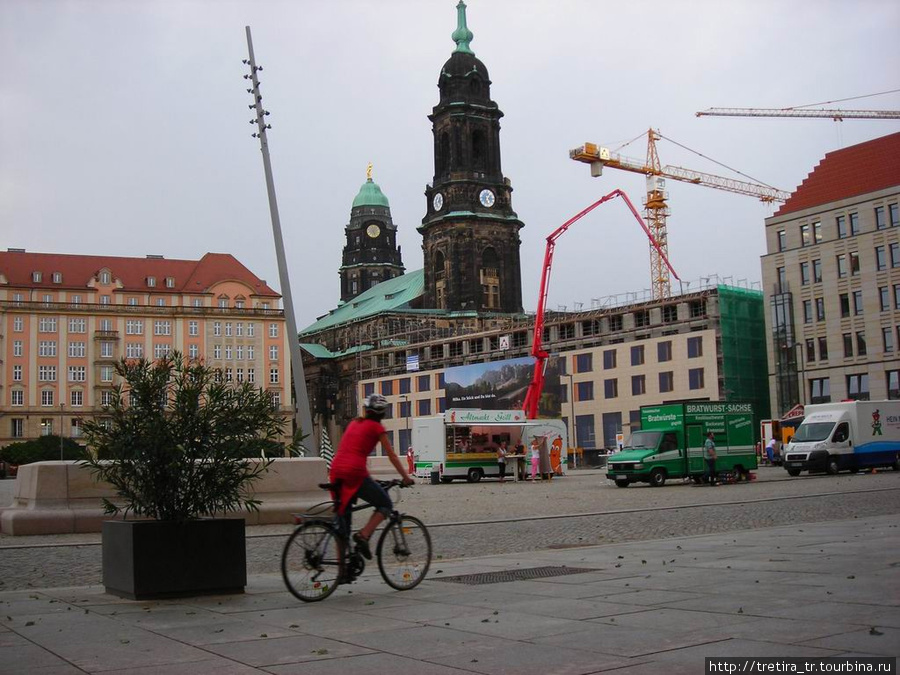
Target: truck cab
{"type": "Point", "coordinates": [648, 457]}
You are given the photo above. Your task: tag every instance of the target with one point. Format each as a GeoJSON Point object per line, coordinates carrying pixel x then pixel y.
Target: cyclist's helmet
{"type": "Point", "coordinates": [376, 403]}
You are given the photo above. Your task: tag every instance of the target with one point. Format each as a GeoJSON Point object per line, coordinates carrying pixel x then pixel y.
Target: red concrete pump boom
{"type": "Point", "coordinates": [537, 349]}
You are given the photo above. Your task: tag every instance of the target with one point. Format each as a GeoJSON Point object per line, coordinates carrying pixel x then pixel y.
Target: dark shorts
{"type": "Point", "coordinates": [372, 493]}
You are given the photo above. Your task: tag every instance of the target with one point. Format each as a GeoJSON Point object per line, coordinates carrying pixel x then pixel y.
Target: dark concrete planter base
{"type": "Point", "coordinates": [144, 559]}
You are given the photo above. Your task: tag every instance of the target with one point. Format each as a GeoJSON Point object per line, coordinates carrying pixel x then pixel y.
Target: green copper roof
{"type": "Point", "coordinates": [370, 195]}
{"type": "Point", "coordinates": [462, 35]}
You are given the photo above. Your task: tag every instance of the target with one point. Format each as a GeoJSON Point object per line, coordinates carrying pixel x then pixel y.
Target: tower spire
{"type": "Point", "coordinates": [462, 35]}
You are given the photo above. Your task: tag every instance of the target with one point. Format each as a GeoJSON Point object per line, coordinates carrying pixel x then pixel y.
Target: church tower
{"type": "Point", "coordinates": [470, 234]}
{"type": "Point", "coordinates": [371, 254]}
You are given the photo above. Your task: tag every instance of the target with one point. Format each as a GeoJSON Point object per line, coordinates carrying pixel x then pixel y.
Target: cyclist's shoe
{"type": "Point", "coordinates": [362, 545]}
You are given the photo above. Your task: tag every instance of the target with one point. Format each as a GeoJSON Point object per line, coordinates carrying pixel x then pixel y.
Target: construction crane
{"type": "Point", "coordinates": [536, 387]}
{"type": "Point", "coordinates": [656, 209]}
{"type": "Point", "coordinates": [836, 115]}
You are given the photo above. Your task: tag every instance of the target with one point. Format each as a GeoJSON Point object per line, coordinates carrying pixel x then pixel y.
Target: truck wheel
{"type": "Point", "coordinates": [793, 472]}
{"type": "Point", "coordinates": [738, 473]}
{"type": "Point", "coordinates": [896, 465]}
{"type": "Point", "coordinates": [474, 475]}
{"type": "Point", "coordinates": [832, 466]}
{"type": "Point", "coordinates": [622, 483]}
{"type": "Point", "coordinates": [657, 478]}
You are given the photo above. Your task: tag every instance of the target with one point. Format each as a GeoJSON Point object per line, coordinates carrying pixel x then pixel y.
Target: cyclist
{"type": "Point", "coordinates": [351, 474]}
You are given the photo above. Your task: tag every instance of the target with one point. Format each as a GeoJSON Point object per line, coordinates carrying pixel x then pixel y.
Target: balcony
{"type": "Point", "coordinates": [106, 335]}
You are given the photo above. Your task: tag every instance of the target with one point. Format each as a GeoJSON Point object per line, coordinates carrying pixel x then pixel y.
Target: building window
{"type": "Point", "coordinates": [217, 351]}
{"type": "Point", "coordinates": [641, 319]}
{"type": "Point", "coordinates": [106, 325]}
{"type": "Point", "coordinates": [251, 329]}
{"type": "Point", "coordinates": [193, 328]}
{"type": "Point", "coordinates": [423, 383]}
{"type": "Point", "coordinates": [17, 428]}
{"type": "Point", "coordinates": [17, 348]}
{"type": "Point", "coordinates": [46, 426]}
{"type": "Point", "coordinates": [18, 324]}
{"type": "Point", "coordinates": [47, 348]}
{"type": "Point", "coordinates": [46, 373]}
{"type": "Point", "coordinates": [134, 327]}
{"type": "Point", "coordinates": [670, 313]}
{"type": "Point", "coordinates": [423, 407]}
{"type": "Point", "coordinates": [17, 397]}
{"type": "Point", "coordinates": [880, 259]}
{"type": "Point", "coordinates": [817, 271]}
{"type": "Point", "coordinates": [820, 309]}
{"type": "Point", "coordinates": [47, 397]}
{"type": "Point", "coordinates": [161, 351]}
{"type": "Point", "coordinates": [239, 352]}
{"type": "Point", "coordinates": [77, 373]}
{"type": "Point", "coordinates": [228, 352]}
{"type": "Point", "coordinates": [841, 224]}
{"type": "Point", "coordinates": [47, 325]}
{"type": "Point", "coordinates": [368, 389]}
{"type": "Point", "coordinates": [387, 388]}
{"type": "Point", "coordinates": [611, 388]}
{"type": "Point", "coordinates": [193, 351]}
{"type": "Point", "coordinates": [893, 384]}
{"type": "Point", "coordinates": [76, 398]}
{"type": "Point", "coordinates": [842, 266]}
{"type": "Point", "coordinates": [880, 222]}
{"type": "Point", "coordinates": [583, 363]}
{"type": "Point", "coordinates": [666, 381]}
{"type": "Point", "coordinates": [217, 328]}
{"type": "Point", "coordinates": [36, 277]}
{"type": "Point", "coordinates": [162, 327]}
{"type": "Point", "coordinates": [804, 235]}
{"type": "Point", "coordinates": [273, 330]}
{"type": "Point", "coordinates": [695, 347]}
{"type": "Point", "coordinates": [844, 300]}
{"type": "Point", "coordinates": [857, 303]}
{"type": "Point", "coordinates": [584, 431]}
{"type": "Point", "coordinates": [817, 232]}
{"type": "Point", "coordinates": [170, 282]}
{"type": "Point", "coordinates": [664, 351]}
{"type": "Point", "coordinates": [239, 329]}
{"type": "Point", "coordinates": [441, 381]}
{"type": "Point", "coordinates": [695, 378]}
{"type": "Point", "coordinates": [106, 398]}
{"type": "Point", "coordinates": [807, 311]}
{"type": "Point", "coordinates": [585, 391]}
{"type": "Point", "coordinates": [887, 335]}
{"type": "Point", "coordinates": [106, 350]}
{"type": "Point", "coordinates": [854, 223]}
{"type": "Point", "coordinates": [893, 216]}
{"type": "Point", "coordinates": [782, 240]}
{"type": "Point", "coordinates": [273, 352]}
{"type": "Point", "coordinates": [854, 263]}
{"type": "Point", "coordinates": [251, 375]}
{"type": "Point", "coordinates": [151, 281]}
{"type": "Point", "coordinates": [810, 350]}
{"type": "Point", "coordinates": [134, 350]}
{"type": "Point", "coordinates": [782, 280]}
{"type": "Point", "coordinates": [638, 385]}
{"type": "Point", "coordinates": [861, 343]}
{"type": "Point", "coordinates": [17, 373]}
{"type": "Point", "coordinates": [823, 348]}
{"type": "Point", "coordinates": [615, 323]}
{"type": "Point", "coordinates": [858, 387]}
{"type": "Point", "coordinates": [106, 373]}
{"type": "Point", "coordinates": [609, 359]}
{"type": "Point", "coordinates": [895, 254]}
{"type": "Point", "coordinates": [848, 345]}
{"type": "Point", "coordinates": [804, 274]}
{"type": "Point", "coordinates": [637, 355]}
{"type": "Point", "coordinates": [884, 299]}
{"type": "Point", "coordinates": [405, 385]}
{"type": "Point", "coordinates": [819, 390]}
{"type": "Point", "coordinates": [273, 376]}
{"type": "Point", "coordinates": [227, 329]}
{"type": "Point", "coordinates": [896, 297]}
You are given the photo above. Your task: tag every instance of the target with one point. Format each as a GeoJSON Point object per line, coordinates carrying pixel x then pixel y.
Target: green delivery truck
{"type": "Point", "coordinates": [670, 443]}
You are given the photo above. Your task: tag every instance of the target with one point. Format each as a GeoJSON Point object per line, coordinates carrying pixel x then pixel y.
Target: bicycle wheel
{"type": "Point", "coordinates": [313, 561]}
{"type": "Point", "coordinates": [404, 553]}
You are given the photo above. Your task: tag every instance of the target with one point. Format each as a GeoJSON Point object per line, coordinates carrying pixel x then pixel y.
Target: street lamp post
{"type": "Point", "coordinates": [572, 439]}
{"type": "Point", "coordinates": [405, 398]}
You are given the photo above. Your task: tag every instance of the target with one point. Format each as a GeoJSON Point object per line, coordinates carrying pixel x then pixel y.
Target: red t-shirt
{"type": "Point", "coordinates": [349, 464]}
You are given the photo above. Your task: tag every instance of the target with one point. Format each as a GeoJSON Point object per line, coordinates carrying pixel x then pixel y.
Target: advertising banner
{"type": "Point", "coordinates": [502, 385]}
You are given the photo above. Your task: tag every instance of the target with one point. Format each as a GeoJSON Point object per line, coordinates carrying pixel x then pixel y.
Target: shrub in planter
{"type": "Point", "coordinates": [175, 444]}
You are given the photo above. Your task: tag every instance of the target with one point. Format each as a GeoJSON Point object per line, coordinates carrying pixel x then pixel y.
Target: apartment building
{"type": "Point", "coordinates": [832, 280]}
{"type": "Point", "coordinates": [66, 319]}
{"type": "Point", "coordinates": [707, 345]}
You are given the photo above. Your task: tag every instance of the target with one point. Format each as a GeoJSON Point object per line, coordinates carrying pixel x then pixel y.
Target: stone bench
{"type": "Point", "coordinates": [63, 497]}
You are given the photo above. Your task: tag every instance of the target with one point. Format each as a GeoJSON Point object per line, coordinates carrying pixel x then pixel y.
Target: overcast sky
{"type": "Point", "coordinates": [124, 124]}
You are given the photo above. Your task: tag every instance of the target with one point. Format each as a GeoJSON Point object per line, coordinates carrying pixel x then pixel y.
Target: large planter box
{"type": "Point", "coordinates": [153, 559]}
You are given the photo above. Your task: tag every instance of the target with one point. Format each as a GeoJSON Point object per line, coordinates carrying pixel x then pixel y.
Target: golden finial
{"type": "Point", "coordinates": [369, 171]}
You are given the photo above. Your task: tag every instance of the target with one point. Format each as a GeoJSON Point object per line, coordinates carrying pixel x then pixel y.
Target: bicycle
{"type": "Point", "coordinates": [319, 555]}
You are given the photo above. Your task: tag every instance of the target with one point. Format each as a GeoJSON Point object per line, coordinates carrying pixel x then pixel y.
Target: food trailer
{"type": "Point", "coordinates": [462, 444]}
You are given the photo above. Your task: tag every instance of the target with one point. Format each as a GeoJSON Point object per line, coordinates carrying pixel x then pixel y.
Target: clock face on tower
{"type": "Point", "coordinates": [486, 198]}
{"type": "Point", "coordinates": [438, 201]}
{"type": "Point", "coordinates": [373, 230]}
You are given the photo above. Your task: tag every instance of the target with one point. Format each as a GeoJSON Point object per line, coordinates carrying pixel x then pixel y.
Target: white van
{"type": "Point", "coordinates": [846, 436]}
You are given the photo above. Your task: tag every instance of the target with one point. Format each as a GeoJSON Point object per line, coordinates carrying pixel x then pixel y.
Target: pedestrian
{"type": "Point", "coordinates": [351, 476]}
{"type": "Point", "coordinates": [501, 460]}
{"type": "Point", "coordinates": [410, 461]}
{"type": "Point", "coordinates": [770, 452]}
{"type": "Point", "coordinates": [709, 454]}
{"type": "Point", "coordinates": [535, 457]}
{"type": "Point", "coordinates": [520, 460]}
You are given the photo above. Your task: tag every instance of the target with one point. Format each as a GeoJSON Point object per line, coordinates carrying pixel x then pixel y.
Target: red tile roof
{"type": "Point", "coordinates": [191, 276]}
{"type": "Point", "coordinates": [857, 170]}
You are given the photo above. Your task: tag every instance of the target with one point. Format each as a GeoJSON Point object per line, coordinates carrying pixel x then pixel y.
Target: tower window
{"type": "Point", "coordinates": [490, 279]}
{"type": "Point", "coordinates": [479, 150]}
{"type": "Point", "coordinates": [443, 156]}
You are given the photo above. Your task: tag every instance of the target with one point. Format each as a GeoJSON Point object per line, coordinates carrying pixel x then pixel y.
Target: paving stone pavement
{"type": "Point", "coordinates": [654, 606]}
